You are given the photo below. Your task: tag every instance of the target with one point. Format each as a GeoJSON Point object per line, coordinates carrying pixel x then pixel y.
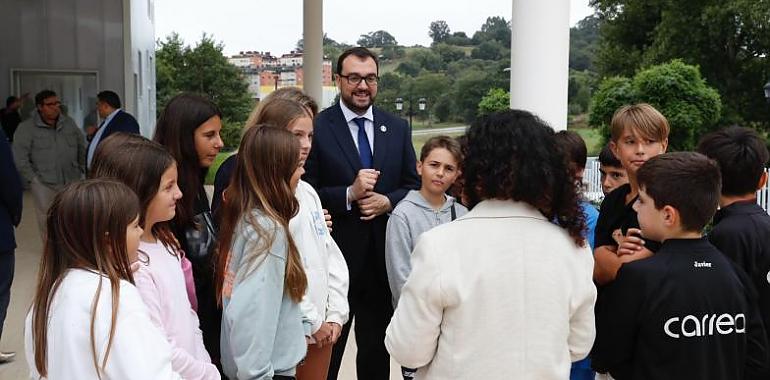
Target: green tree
{"type": "Point", "coordinates": [377, 39]}
{"type": "Point", "coordinates": [495, 28]}
{"type": "Point", "coordinates": [448, 53]}
{"type": "Point", "coordinates": [438, 31]}
{"type": "Point", "coordinates": [490, 50]}
{"type": "Point", "coordinates": [204, 70]}
{"type": "Point", "coordinates": [408, 68]}
{"type": "Point", "coordinates": [727, 39]}
{"type": "Point", "coordinates": [391, 52]}
{"type": "Point", "coordinates": [495, 100]}
{"type": "Point", "coordinates": [426, 59]}
{"type": "Point", "coordinates": [469, 89]}
{"type": "Point", "coordinates": [676, 89]}
{"type": "Point", "coordinates": [459, 39]}
{"type": "Point", "coordinates": [583, 42]}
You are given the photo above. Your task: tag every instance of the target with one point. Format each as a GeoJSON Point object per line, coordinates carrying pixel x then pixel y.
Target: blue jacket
{"type": "Point", "coordinates": [11, 193]}
{"type": "Point", "coordinates": [263, 330]}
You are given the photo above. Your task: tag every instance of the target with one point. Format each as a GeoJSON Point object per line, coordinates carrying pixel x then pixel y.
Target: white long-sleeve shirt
{"type": "Point", "coordinates": [326, 299]}
{"type": "Point", "coordinates": [499, 293]}
{"type": "Point", "coordinates": [139, 350]}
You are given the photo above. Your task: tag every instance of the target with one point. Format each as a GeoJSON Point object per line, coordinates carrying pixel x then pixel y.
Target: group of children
{"type": "Point", "coordinates": [671, 304]}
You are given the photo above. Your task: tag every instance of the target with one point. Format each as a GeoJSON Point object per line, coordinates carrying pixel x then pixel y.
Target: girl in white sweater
{"type": "Point", "coordinates": [87, 320]}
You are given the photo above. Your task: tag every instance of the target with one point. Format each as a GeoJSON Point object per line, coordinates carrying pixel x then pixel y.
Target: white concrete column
{"type": "Point", "coordinates": [540, 59]}
{"type": "Point", "coordinates": [312, 59]}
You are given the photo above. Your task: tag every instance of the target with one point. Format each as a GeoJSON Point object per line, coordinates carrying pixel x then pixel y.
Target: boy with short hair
{"type": "Point", "coordinates": [421, 210]}
{"type": "Point", "coordinates": [638, 132]}
{"type": "Point", "coordinates": [741, 227]}
{"type": "Point", "coordinates": [686, 312]}
{"type": "Point", "coordinates": [611, 171]}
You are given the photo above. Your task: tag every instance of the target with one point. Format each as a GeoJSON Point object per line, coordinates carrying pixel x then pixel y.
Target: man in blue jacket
{"type": "Point", "coordinates": [10, 216]}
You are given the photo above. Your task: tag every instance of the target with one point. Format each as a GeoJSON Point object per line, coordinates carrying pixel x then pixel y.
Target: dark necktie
{"type": "Point", "coordinates": [364, 149]}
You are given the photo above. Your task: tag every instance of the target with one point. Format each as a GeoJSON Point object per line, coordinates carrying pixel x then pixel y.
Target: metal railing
{"type": "Point", "coordinates": [592, 189]}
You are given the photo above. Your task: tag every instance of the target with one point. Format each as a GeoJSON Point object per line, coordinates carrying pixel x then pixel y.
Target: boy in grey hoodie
{"type": "Point", "coordinates": [421, 210]}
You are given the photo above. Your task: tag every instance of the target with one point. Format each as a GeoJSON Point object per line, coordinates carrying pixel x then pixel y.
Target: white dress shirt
{"type": "Point", "coordinates": [368, 124]}
{"type": "Point", "coordinates": [98, 136]}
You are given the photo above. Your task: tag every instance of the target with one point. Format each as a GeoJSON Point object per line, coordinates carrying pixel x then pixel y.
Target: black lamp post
{"type": "Point", "coordinates": [421, 105]}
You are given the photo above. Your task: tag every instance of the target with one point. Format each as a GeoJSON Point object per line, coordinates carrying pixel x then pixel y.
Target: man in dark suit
{"type": "Point", "coordinates": [114, 120]}
{"type": "Point", "coordinates": [362, 164]}
{"type": "Point", "coordinates": [10, 215]}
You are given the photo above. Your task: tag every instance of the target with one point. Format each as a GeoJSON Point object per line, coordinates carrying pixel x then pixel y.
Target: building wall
{"type": "Point", "coordinates": [64, 36]}
{"type": "Point", "coordinates": [59, 39]}
{"type": "Point", "coordinates": [139, 50]}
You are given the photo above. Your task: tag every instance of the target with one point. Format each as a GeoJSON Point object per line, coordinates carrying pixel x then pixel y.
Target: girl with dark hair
{"type": "Point", "coordinates": [260, 277]}
{"type": "Point", "coordinates": [189, 128]}
{"type": "Point", "coordinates": [87, 320]}
{"type": "Point", "coordinates": [150, 171]}
{"type": "Point", "coordinates": [517, 262]}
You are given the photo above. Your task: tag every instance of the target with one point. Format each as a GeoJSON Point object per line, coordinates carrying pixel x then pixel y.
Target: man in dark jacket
{"type": "Point", "coordinates": [114, 119]}
{"type": "Point", "coordinates": [9, 116]}
{"type": "Point", "coordinates": [10, 216]}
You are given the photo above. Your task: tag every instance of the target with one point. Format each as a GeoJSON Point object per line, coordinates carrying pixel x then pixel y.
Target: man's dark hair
{"type": "Point", "coordinates": [574, 148]}
{"type": "Point", "coordinates": [607, 158]}
{"type": "Point", "coordinates": [42, 96]}
{"type": "Point", "coordinates": [360, 52]}
{"type": "Point", "coordinates": [10, 100]}
{"type": "Point", "coordinates": [687, 181]}
{"type": "Point", "coordinates": [743, 155]}
{"type": "Point", "coordinates": [513, 155]}
{"type": "Point", "coordinates": [109, 97]}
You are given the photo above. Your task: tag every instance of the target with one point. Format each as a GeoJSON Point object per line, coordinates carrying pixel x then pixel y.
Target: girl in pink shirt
{"type": "Point", "coordinates": [148, 169]}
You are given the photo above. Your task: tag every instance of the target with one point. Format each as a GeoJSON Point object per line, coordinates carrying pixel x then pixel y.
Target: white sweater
{"type": "Point", "coordinates": [326, 299]}
{"type": "Point", "coordinates": [499, 293]}
{"type": "Point", "coordinates": [139, 349]}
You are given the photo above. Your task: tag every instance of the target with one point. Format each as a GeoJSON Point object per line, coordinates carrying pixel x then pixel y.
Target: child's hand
{"type": "Point", "coordinates": [323, 335]}
{"type": "Point", "coordinates": [336, 331]}
{"type": "Point", "coordinates": [638, 255]}
{"type": "Point", "coordinates": [631, 243]}
{"type": "Point", "coordinates": [328, 219]}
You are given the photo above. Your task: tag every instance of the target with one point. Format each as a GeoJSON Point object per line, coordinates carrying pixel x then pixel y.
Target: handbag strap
{"type": "Point", "coordinates": [452, 210]}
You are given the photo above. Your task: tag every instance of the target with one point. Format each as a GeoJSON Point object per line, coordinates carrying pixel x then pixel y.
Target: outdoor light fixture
{"type": "Point", "coordinates": [422, 102]}
{"type": "Point", "coordinates": [400, 104]}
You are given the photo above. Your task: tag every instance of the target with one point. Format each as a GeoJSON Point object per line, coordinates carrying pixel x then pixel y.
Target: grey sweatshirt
{"type": "Point", "coordinates": [411, 217]}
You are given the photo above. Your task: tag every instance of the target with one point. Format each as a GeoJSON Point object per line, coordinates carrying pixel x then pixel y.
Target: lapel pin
{"type": "Point", "coordinates": [383, 128]}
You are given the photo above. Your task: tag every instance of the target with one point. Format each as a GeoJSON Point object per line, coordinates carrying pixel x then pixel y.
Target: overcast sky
{"type": "Point", "coordinates": [275, 26]}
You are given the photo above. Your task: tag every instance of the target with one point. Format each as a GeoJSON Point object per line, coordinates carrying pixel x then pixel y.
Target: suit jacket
{"type": "Point", "coordinates": [333, 165]}
{"type": "Point", "coordinates": [121, 122]}
{"type": "Point", "coordinates": [11, 193]}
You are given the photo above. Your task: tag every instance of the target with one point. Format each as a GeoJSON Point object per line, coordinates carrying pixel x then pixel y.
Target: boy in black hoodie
{"type": "Point", "coordinates": [686, 312]}
{"type": "Point", "coordinates": [741, 227]}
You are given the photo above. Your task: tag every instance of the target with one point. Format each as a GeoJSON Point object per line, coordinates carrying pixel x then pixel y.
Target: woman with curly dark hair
{"type": "Point", "coordinates": [507, 288]}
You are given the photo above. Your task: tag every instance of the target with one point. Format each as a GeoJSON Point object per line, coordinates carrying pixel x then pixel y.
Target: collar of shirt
{"type": "Point", "coordinates": [110, 116]}
{"type": "Point", "coordinates": [738, 208]}
{"type": "Point", "coordinates": [350, 115]}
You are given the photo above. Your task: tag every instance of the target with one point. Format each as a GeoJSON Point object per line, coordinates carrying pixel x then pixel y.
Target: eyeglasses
{"type": "Point", "coordinates": [355, 79]}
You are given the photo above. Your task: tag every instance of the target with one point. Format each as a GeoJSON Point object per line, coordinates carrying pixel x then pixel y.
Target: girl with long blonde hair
{"type": "Point", "coordinates": [259, 275]}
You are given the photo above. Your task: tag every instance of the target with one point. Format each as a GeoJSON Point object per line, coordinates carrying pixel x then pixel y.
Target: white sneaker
{"type": "Point", "coordinates": [6, 357]}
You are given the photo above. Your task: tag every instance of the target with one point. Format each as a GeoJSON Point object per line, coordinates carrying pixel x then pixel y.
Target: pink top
{"type": "Point", "coordinates": [161, 283]}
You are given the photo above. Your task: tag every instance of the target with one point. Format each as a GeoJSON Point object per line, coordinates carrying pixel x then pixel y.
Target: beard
{"type": "Point", "coordinates": [358, 100]}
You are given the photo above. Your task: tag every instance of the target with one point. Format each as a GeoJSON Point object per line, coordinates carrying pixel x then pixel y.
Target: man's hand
{"type": "Point", "coordinates": [363, 184]}
{"type": "Point", "coordinates": [630, 244]}
{"type": "Point", "coordinates": [328, 220]}
{"type": "Point", "coordinates": [373, 206]}
{"type": "Point", "coordinates": [323, 336]}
